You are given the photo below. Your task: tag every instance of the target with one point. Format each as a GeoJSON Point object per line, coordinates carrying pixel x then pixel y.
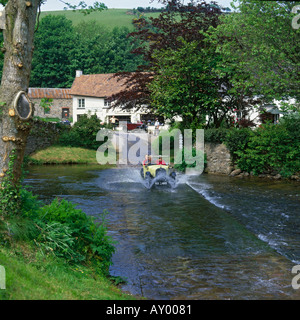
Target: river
{"type": "Point", "coordinates": [210, 237]}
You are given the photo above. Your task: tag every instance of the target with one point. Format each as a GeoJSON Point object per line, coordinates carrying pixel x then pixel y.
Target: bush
{"type": "Point", "coordinates": [237, 140]}
{"type": "Point", "coordinates": [271, 149]}
{"type": "Point", "coordinates": [83, 133]}
{"type": "Point", "coordinates": [68, 233]}
{"type": "Point", "coordinates": [199, 159]}
{"type": "Point", "coordinates": [267, 149]}
{"type": "Point", "coordinates": [292, 124]}
{"type": "Point", "coordinates": [215, 135]}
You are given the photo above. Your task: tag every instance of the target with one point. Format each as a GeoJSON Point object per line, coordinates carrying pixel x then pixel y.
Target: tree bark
{"type": "Point", "coordinates": [18, 45]}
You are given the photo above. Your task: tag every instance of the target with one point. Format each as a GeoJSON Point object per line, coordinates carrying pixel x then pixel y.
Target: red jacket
{"type": "Point", "coordinates": [160, 162]}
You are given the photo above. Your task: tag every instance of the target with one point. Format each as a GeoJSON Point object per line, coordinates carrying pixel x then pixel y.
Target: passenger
{"type": "Point", "coordinates": [160, 161]}
{"type": "Point", "coordinates": [147, 160]}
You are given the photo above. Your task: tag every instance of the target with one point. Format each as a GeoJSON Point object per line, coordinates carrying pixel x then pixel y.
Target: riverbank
{"type": "Point", "coordinates": [55, 251]}
{"type": "Point", "coordinates": [33, 276]}
{"type": "Point", "coordinates": [63, 155]}
{"type": "Point", "coordinates": [218, 162]}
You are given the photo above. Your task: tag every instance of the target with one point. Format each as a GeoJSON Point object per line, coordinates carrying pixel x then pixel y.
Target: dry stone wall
{"type": "Point", "coordinates": [218, 159]}
{"type": "Point", "coordinates": [42, 135]}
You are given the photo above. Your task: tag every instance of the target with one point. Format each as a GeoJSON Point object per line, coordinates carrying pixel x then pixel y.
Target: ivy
{"type": "Point", "coordinates": [46, 104]}
{"type": "Point", "coordinates": [9, 193]}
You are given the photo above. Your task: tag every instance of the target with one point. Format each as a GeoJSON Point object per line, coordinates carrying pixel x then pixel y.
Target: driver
{"type": "Point", "coordinates": [160, 160]}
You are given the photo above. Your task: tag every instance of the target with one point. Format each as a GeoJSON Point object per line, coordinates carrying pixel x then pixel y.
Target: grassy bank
{"type": "Point", "coordinates": [30, 276]}
{"type": "Point", "coordinates": [63, 155]}
{"type": "Point", "coordinates": [54, 252]}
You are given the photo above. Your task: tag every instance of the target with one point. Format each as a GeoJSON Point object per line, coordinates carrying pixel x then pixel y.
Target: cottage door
{"type": "Point", "coordinates": [65, 113]}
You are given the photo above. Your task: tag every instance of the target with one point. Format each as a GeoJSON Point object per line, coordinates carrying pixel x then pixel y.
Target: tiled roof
{"type": "Point", "coordinates": [97, 85]}
{"type": "Point", "coordinates": [50, 93]}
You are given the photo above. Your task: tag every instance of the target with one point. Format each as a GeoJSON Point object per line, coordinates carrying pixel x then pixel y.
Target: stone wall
{"type": "Point", "coordinates": [56, 108]}
{"type": "Point", "coordinates": [42, 135]}
{"type": "Point", "coordinates": [219, 162]}
{"type": "Point", "coordinates": [218, 159]}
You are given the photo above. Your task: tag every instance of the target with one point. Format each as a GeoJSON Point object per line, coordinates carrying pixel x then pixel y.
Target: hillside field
{"type": "Point", "coordinates": [109, 18]}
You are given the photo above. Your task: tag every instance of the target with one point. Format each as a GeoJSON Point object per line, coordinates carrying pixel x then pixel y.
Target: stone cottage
{"type": "Point", "coordinates": [60, 107]}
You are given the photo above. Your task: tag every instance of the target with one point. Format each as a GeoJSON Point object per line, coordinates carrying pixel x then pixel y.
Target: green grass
{"type": "Point", "coordinates": [63, 155]}
{"type": "Point", "coordinates": [48, 119]}
{"type": "Point", "coordinates": [33, 277]}
{"type": "Point", "coordinates": [110, 18]}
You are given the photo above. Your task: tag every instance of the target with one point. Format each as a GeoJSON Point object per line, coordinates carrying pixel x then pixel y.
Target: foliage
{"type": "Point", "coordinates": [84, 8]}
{"type": "Point", "coordinates": [83, 133]}
{"type": "Point", "coordinates": [70, 233]}
{"type": "Point", "coordinates": [183, 84]}
{"type": "Point", "coordinates": [46, 104]}
{"type": "Point", "coordinates": [10, 190]}
{"type": "Point", "coordinates": [57, 229]}
{"type": "Point", "coordinates": [245, 123]}
{"type": "Point", "coordinates": [100, 50]}
{"type": "Point", "coordinates": [54, 43]}
{"type": "Point", "coordinates": [61, 49]}
{"type": "Point", "coordinates": [187, 161]}
{"type": "Point", "coordinates": [260, 48]}
{"type": "Point", "coordinates": [292, 124]}
{"type": "Point", "coordinates": [237, 140]}
{"type": "Point", "coordinates": [148, 9]}
{"type": "Point", "coordinates": [61, 230]}
{"type": "Point", "coordinates": [215, 135]}
{"type": "Point", "coordinates": [179, 78]}
{"type": "Point", "coordinates": [272, 148]}
{"type": "Point", "coordinates": [185, 73]}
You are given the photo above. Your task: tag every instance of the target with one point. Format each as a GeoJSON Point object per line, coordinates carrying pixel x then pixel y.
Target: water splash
{"type": "Point", "coordinates": [204, 190]}
{"type": "Point", "coordinates": [169, 182]}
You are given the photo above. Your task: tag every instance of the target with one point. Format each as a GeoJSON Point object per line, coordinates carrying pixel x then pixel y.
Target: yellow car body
{"type": "Point", "coordinates": [152, 169]}
{"type": "Point", "coordinates": [158, 173]}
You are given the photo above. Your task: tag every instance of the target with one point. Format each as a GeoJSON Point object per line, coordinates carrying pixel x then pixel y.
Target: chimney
{"type": "Point", "coordinates": [78, 73]}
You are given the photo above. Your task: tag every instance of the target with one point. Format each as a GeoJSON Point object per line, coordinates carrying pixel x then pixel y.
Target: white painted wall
{"type": "Point", "coordinates": [96, 105]}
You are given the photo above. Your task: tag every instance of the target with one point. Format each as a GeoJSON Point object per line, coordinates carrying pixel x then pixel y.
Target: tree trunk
{"type": "Point", "coordinates": [14, 126]}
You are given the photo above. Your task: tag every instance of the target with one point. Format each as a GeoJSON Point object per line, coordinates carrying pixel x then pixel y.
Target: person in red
{"type": "Point", "coordinates": [147, 160]}
{"type": "Point", "coordinates": [160, 161]}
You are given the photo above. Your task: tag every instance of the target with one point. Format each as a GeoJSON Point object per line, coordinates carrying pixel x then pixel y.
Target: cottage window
{"type": "Point", "coordinates": [81, 103]}
{"type": "Point", "coordinates": [107, 103]}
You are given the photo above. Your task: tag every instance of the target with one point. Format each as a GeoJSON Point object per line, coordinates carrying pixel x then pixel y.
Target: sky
{"type": "Point", "coordinates": [52, 5]}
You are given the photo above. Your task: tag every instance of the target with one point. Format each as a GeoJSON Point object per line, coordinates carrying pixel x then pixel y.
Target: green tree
{"type": "Point", "coordinates": [100, 50]}
{"type": "Point", "coordinates": [118, 54]}
{"type": "Point", "coordinates": [83, 133]}
{"type": "Point", "coordinates": [261, 49]}
{"type": "Point", "coordinates": [179, 77]}
{"type": "Point", "coordinates": [55, 42]}
{"type": "Point", "coordinates": [183, 83]}
{"type": "Point", "coordinates": [61, 49]}
{"type": "Point", "coordinates": [92, 39]}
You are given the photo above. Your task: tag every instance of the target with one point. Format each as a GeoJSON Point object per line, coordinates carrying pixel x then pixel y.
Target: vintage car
{"type": "Point", "coordinates": [158, 174]}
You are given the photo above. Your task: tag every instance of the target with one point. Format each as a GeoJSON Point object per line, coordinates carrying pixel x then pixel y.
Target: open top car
{"type": "Point", "coordinates": [158, 173]}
